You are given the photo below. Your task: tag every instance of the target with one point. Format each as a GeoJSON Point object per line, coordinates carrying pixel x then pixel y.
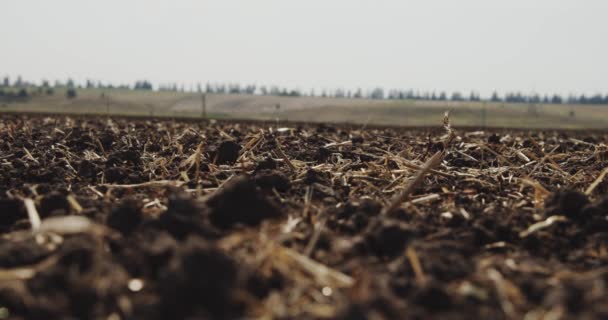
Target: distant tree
{"type": "Point", "coordinates": [50, 91]}
{"type": "Point", "coordinates": [208, 88]}
{"type": "Point", "coordinates": [250, 89]}
{"type": "Point", "coordinates": [474, 96]}
{"type": "Point", "coordinates": [358, 94]}
{"type": "Point", "coordinates": [6, 81]}
{"type": "Point", "coordinates": [596, 99]}
{"type": "Point", "coordinates": [70, 83]}
{"type": "Point", "coordinates": [393, 94]}
{"type": "Point", "coordinates": [457, 96]}
{"type": "Point", "coordinates": [71, 93]}
{"type": "Point", "coordinates": [495, 97]}
{"type": "Point", "coordinates": [556, 99]}
{"type": "Point", "coordinates": [535, 98]}
{"type": "Point", "coordinates": [443, 96]}
{"type": "Point", "coordinates": [23, 94]}
{"type": "Point", "coordinates": [339, 93]}
{"type": "Point", "coordinates": [515, 98]}
{"type": "Point", "coordinates": [234, 88]}
{"type": "Point", "coordinates": [377, 93]}
{"type": "Point", "coordinates": [582, 99]}
{"type": "Point", "coordinates": [546, 99]}
{"type": "Point", "coordinates": [19, 82]}
{"type": "Point", "coordinates": [142, 85]}
{"type": "Point", "coordinates": [572, 99]}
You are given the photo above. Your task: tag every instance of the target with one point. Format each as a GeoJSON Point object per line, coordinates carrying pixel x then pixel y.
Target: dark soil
{"type": "Point", "coordinates": [503, 229]}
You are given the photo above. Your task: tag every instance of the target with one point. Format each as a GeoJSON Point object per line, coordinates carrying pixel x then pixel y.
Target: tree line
{"type": "Point", "coordinates": [20, 89]}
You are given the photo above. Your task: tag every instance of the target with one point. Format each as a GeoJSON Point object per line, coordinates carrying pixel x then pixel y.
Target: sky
{"type": "Point", "coordinates": [542, 46]}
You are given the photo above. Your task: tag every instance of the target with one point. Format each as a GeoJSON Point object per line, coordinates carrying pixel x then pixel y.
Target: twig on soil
{"type": "Point", "coordinates": [501, 288]}
{"type": "Point", "coordinates": [160, 183]}
{"type": "Point", "coordinates": [318, 229]}
{"type": "Point", "coordinates": [251, 145]}
{"type": "Point", "coordinates": [427, 198]}
{"type": "Point", "coordinates": [29, 155]}
{"type": "Point", "coordinates": [542, 225]}
{"type": "Point", "coordinates": [417, 167]}
{"type": "Point", "coordinates": [95, 191]}
{"type": "Point", "coordinates": [197, 162]}
{"type": "Point", "coordinates": [323, 274]}
{"type": "Point", "coordinates": [542, 161]}
{"type": "Point", "coordinates": [32, 213]}
{"type": "Point", "coordinates": [66, 225]}
{"type": "Point", "coordinates": [399, 199]}
{"type": "Point", "coordinates": [307, 201]}
{"type": "Point", "coordinates": [522, 156]}
{"type": "Point", "coordinates": [285, 157]}
{"type": "Point", "coordinates": [74, 203]}
{"type": "Point", "coordinates": [596, 182]}
{"type": "Point", "coordinates": [540, 193]}
{"type": "Point", "coordinates": [498, 155]}
{"type": "Point", "coordinates": [412, 257]}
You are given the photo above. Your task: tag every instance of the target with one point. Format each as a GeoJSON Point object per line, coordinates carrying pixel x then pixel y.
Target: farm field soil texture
{"type": "Point", "coordinates": [156, 219]}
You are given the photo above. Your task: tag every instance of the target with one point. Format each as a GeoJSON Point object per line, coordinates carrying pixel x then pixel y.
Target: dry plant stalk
{"type": "Point", "coordinates": [412, 256]}
{"type": "Point", "coordinates": [32, 213]}
{"type": "Point", "coordinates": [285, 157]}
{"type": "Point", "coordinates": [318, 229]}
{"type": "Point", "coordinates": [400, 198]}
{"type": "Point", "coordinates": [323, 274]}
{"type": "Point", "coordinates": [596, 182]}
{"type": "Point", "coordinates": [160, 183]}
{"type": "Point", "coordinates": [502, 289]}
{"type": "Point", "coordinates": [74, 203]}
{"type": "Point", "coordinates": [542, 225]}
{"type": "Point", "coordinates": [540, 192]}
{"type": "Point", "coordinates": [428, 166]}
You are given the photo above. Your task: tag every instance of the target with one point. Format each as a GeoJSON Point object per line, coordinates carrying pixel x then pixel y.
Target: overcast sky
{"type": "Point", "coordinates": [540, 46]}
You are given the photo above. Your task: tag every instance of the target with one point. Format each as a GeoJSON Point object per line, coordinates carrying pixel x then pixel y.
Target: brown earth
{"type": "Point", "coordinates": [151, 219]}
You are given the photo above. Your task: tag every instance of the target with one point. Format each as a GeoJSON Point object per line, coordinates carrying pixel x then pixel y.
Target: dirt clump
{"type": "Point", "coordinates": [240, 201]}
{"type": "Point", "coordinates": [200, 281]}
{"type": "Point", "coordinates": [126, 217]}
{"type": "Point", "coordinates": [185, 216]}
{"type": "Point", "coordinates": [269, 180]}
{"type": "Point", "coordinates": [226, 152]}
{"type": "Point", "coordinates": [11, 210]}
{"type": "Point", "coordinates": [54, 203]}
{"type": "Point", "coordinates": [566, 202]}
{"type": "Point", "coordinates": [387, 237]}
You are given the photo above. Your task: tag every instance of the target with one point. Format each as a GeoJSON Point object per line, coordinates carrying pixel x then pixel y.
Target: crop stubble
{"type": "Point", "coordinates": [160, 219]}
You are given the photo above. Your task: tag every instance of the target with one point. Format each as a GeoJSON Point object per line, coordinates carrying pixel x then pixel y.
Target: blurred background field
{"type": "Point", "coordinates": [127, 102]}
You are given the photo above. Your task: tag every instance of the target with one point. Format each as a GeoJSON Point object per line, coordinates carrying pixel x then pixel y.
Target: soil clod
{"type": "Point", "coordinates": [240, 201]}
